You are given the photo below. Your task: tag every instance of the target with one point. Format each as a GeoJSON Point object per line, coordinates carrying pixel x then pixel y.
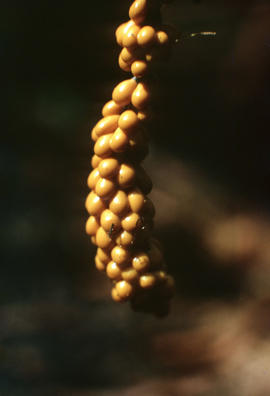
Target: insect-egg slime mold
{"type": "Point", "coordinates": [121, 214]}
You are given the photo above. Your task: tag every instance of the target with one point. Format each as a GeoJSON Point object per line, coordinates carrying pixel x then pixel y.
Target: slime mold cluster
{"type": "Point", "coordinates": [121, 214]}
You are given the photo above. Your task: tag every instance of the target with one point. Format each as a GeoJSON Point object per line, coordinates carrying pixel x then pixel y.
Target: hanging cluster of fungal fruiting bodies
{"type": "Point", "coordinates": [121, 214]}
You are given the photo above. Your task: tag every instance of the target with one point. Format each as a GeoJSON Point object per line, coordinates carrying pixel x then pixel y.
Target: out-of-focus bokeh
{"type": "Point", "coordinates": [60, 333]}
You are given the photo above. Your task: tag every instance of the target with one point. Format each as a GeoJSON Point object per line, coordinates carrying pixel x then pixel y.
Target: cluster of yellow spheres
{"type": "Point", "coordinates": [121, 214]}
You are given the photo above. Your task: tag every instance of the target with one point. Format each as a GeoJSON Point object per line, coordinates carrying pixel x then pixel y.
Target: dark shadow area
{"type": "Point", "coordinates": [60, 333]}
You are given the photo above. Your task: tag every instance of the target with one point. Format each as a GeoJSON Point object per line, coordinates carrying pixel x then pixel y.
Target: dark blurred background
{"type": "Point", "coordinates": [60, 333]}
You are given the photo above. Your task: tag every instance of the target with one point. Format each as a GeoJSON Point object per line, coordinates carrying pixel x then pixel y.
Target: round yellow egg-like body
{"type": "Point", "coordinates": [93, 178]}
{"type": "Point", "coordinates": [102, 147]}
{"type": "Point", "coordinates": [94, 136]}
{"type": "Point", "coordinates": [119, 141]}
{"type": "Point", "coordinates": [128, 55]}
{"type": "Point", "coordinates": [95, 161]}
{"type": "Point", "coordinates": [119, 33]}
{"type": "Point", "coordinates": [140, 96]}
{"type": "Point", "coordinates": [103, 255]}
{"type": "Point", "coordinates": [146, 36]}
{"type": "Point", "coordinates": [136, 200]}
{"type": "Point", "coordinates": [120, 255]}
{"type": "Point", "coordinates": [102, 239]}
{"type": "Point", "coordinates": [129, 39]}
{"type": "Point", "coordinates": [105, 188]}
{"type": "Point", "coordinates": [109, 221]}
{"type": "Point", "coordinates": [150, 56]}
{"type": "Point", "coordinates": [162, 38]}
{"type": "Point", "coordinates": [130, 275]}
{"type": "Point", "coordinates": [126, 175]}
{"type": "Point", "coordinates": [108, 167]}
{"type": "Point", "coordinates": [122, 30]}
{"type": "Point", "coordinates": [100, 266]}
{"type": "Point", "coordinates": [128, 121]}
{"type": "Point", "coordinates": [139, 68]}
{"type": "Point", "coordinates": [123, 65]}
{"type": "Point", "coordinates": [148, 281]}
{"type": "Point", "coordinates": [128, 26]}
{"type": "Point", "coordinates": [130, 222]}
{"type": "Point", "coordinates": [113, 271]}
{"type": "Point", "coordinates": [115, 295]}
{"type": "Point", "coordinates": [106, 125]}
{"type": "Point", "coordinates": [94, 204]}
{"type": "Point", "coordinates": [137, 11]}
{"type": "Point", "coordinates": [123, 91]}
{"type": "Point", "coordinates": [111, 108]}
{"type": "Point", "coordinates": [141, 262]}
{"type": "Point", "coordinates": [92, 225]}
{"type": "Point", "coordinates": [119, 203]}
{"type": "Point", "coordinates": [125, 239]}
{"type": "Point", "coordinates": [124, 289]}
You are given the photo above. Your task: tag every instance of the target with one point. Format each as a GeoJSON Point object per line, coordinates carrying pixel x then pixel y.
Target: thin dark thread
{"type": "Point", "coordinates": [111, 230]}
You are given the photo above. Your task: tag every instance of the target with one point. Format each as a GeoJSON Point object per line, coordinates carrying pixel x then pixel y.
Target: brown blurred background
{"type": "Point", "coordinates": [60, 334]}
